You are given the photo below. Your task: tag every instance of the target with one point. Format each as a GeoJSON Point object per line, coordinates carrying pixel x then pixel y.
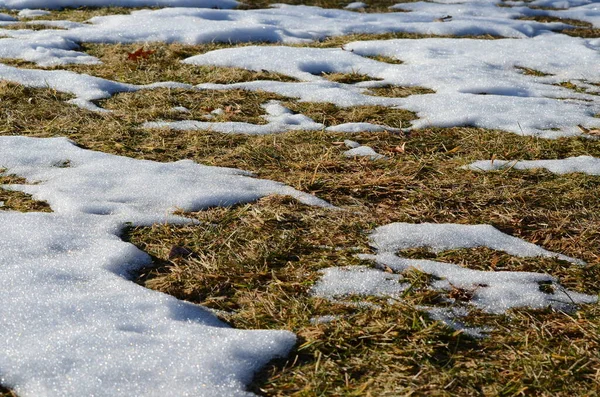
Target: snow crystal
{"type": "Point", "coordinates": [584, 164]}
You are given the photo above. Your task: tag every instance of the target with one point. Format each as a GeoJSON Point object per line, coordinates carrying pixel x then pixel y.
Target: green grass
{"type": "Point", "coordinates": [257, 262]}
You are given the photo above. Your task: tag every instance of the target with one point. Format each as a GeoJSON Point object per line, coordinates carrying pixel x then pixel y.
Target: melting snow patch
{"type": "Point", "coordinates": [357, 5]}
{"type": "Point", "coordinates": [279, 119]}
{"type": "Point", "coordinates": [73, 324]}
{"type": "Point", "coordinates": [584, 164]}
{"type": "Point", "coordinates": [489, 291]}
{"type": "Point", "coordinates": [323, 319]}
{"type": "Point", "coordinates": [27, 13]}
{"type": "Point", "coordinates": [364, 151]}
{"type": "Point", "coordinates": [341, 282]}
{"type": "Point", "coordinates": [476, 82]}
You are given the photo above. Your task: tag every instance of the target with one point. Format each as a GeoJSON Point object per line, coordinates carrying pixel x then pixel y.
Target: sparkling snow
{"type": "Point", "coordinates": [73, 323]}
{"type": "Point", "coordinates": [584, 164]}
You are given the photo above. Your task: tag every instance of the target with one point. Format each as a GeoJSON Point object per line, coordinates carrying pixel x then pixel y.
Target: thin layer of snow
{"type": "Point", "coordinates": [28, 13]}
{"type": "Point", "coordinates": [279, 119]}
{"type": "Point", "coordinates": [340, 282]}
{"type": "Point", "coordinates": [56, 4]}
{"type": "Point", "coordinates": [351, 144]}
{"type": "Point", "coordinates": [364, 151]}
{"type": "Point", "coordinates": [6, 17]}
{"type": "Point", "coordinates": [76, 181]}
{"type": "Point", "coordinates": [287, 24]}
{"type": "Point", "coordinates": [72, 322]}
{"type": "Point", "coordinates": [181, 109]}
{"type": "Point", "coordinates": [323, 319]}
{"type": "Point", "coordinates": [442, 237]}
{"type": "Point", "coordinates": [584, 164]}
{"type": "Point", "coordinates": [492, 292]}
{"type": "Point", "coordinates": [452, 318]}
{"type": "Point", "coordinates": [361, 127]}
{"type": "Point", "coordinates": [356, 5]}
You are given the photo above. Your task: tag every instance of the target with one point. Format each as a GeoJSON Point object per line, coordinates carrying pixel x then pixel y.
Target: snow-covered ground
{"type": "Point", "coordinates": [74, 325]}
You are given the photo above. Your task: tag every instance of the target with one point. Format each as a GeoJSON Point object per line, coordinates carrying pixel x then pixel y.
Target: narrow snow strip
{"type": "Point", "coordinates": [54, 4]}
{"type": "Point", "coordinates": [442, 237]}
{"type": "Point", "coordinates": [279, 119]}
{"type": "Point", "coordinates": [75, 181]}
{"type": "Point", "coordinates": [364, 151]}
{"type": "Point", "coordinates": [73, 325]}
{"type": "Point", "coordinates": [584, 164]}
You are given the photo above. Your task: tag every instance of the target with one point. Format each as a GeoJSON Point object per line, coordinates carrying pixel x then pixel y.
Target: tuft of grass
{"type": "Point", "coordinates": [330, 114]}
{"type": "Point", "coordinates": [393, 91]}
{"type": "Point", "coordinates": [18, 201]}
{"type": "Point", "coordinates": [532, 72]}
{"type": "Point", "coordinates": [348, 78]}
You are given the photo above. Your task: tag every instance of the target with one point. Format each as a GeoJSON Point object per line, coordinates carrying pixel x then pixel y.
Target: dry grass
{"type": "Point", "coordinates": [257, 262]}
{"type": "Point", "coordinates": [579, 29]}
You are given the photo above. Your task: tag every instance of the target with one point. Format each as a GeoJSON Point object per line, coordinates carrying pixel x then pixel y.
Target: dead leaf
{"type": "Point", "coordinates": [140, 53]}
{"type": "Point", "coordinates": [399, 149]}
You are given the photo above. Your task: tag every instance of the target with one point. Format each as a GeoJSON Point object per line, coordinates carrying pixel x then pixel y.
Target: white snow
{"type": "Point", "coordinates": [443, 237]}
{"type": "Point", "coordinates": [73, 324]}
{"type": "Point", "coordinates": [28, 13]}
{"type": "Point", "coordinates": [278, 117]}
{"type": "Point", "coordinates": [351, 144]}
{"type": "Point", "coordinates": [492, 291]}
{"type": "Point", "coordinates": [53, 4]}
{"type": "Point", "coordinates": [584, 164]}
{"type": "Point", "coordinates": [364, 151]}
{"type": "Point", "coordinates": [356, 5]}
{"type": "Point", "coordinates": [476, 82]}
{"type": "Point", "coordinates": [339, 282]}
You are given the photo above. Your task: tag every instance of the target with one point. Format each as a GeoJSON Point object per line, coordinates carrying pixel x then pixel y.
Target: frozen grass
{"type": "Point", "coordinates": [256, 263]}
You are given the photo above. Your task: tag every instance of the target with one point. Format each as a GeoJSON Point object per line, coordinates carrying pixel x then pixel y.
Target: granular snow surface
{"type": "Point", "coordinates": [74, 325]}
